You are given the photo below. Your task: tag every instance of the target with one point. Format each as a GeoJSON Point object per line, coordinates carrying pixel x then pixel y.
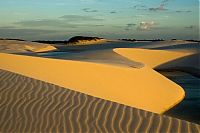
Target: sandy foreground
{"type": "Point", "coordinates": [114, 84]}
{"type": "Point", "coordinates": [30, 105]}
{"type": "Point", "coordinates": [101, 80]}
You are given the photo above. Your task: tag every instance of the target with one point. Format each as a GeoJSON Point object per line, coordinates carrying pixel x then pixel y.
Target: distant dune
{"type": "Point", "coordinates": [16, 46]}
{"type": "Point", "coordinates": [175, 59]}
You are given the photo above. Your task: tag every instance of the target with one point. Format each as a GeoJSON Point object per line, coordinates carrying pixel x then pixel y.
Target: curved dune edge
{"type": "Point", "coordinates": [152, 58]}
{"type": "Point", "coordinates": [133, 87]}
{"type": "Point", "coordinates": [37, 50]}
{"type": "Point", "coordinates": [30, 105]}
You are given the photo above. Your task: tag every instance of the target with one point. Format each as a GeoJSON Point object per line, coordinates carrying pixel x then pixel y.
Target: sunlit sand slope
{"type": "Point", "coordinates": [135, 87]}
{"type": "Point", "coordinates": [152, 58]}
{"type": "Point", "coordinates": [29, 105]}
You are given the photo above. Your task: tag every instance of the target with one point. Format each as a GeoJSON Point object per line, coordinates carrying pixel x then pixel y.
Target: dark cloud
{"type": "Point", "coordinates": [129, 26]}
{"type": "Point", "coordinates": [113, 12]}
{"type": "Point", "coordinates": [140, 7]}
{"type": "Point", "coordinates": [77, 18]}
{"type": "Point", "coordinates": [183, 11]}
{"type": "Point", "coordinates": [89, 10]}
{"type": "Point", "coordinates": [161, 7]}
{"type": "Point", "coordinates": [190, 27]}
{"type": "Point", "coordinates": [165, 2]}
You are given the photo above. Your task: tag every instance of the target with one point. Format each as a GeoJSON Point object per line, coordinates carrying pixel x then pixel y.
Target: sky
{"type": "Point", "coordinates": [62, 19]}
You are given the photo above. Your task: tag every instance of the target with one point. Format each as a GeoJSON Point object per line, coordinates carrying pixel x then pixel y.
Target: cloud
{"type": "Point", "coordinates": [113, 12]}
{"type": "Point", "coordinates": [190, 27]}
{"type": "Point", "coordinates": [140, 7]}
{"type": "Point", "coordinates": [98, 25]}
{"type": "Point", "coordinates": [161, 7]}
{"type": "Point", "coordinates": [89, 10]}
{"type": "Point", "coordinates": [45, 23]}
{"type": "Point", "coordinates": [145, 26]}
{"type": "Point", "coordinates": [165, 2]}
{"type": "Point", "coordinates": [183, 11]}
{"type": "Point", "coordinates": [77, 18]}
{"type": "Point", "coordinates": [129, 26]}
{"type": "Point", "coordinates": [66, 21]}
{"type": "Point", "coordinates": [7, 27]}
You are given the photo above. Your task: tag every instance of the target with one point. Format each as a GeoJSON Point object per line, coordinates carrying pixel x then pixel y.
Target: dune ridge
{"type": "Point", "coordinates": [152, 58]}
{"type": "Point", "coordinates": [99, 80]}
{"type": "Point", "coordinates": [30, 105]}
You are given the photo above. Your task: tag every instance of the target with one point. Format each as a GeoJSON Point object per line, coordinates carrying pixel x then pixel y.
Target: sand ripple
{"type": "Point", "coordinates": [29, 105]}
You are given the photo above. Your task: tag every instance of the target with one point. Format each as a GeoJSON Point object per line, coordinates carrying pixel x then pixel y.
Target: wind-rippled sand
{"type": "Point", "coordinates": [30, 105]}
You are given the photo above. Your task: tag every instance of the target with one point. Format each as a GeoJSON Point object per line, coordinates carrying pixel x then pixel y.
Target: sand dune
{"type": "Point", "coordinates": [29, 105]}
{"type": "Point", "coordinates": [13, 46]}
{"type": "Point", "coordinates": [101, 80]}
{"type": "Point", "coordinates": [39, 49]}
{"type": "Point", "coordinates": [186, 61]}
{"type": "Point", "coordinates": [152, 58]}
{"type": "Point", "coordinates": [108, 57]}
{"type": "Point", "coordinates": [115, 80]}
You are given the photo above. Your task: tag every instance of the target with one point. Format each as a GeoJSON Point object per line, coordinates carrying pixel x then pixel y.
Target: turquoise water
{"type": "Point", "coordinates": [189, 108]}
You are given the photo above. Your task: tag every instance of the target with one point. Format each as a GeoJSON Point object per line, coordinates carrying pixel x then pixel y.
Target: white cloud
{"type": "Point", "coordinates": [146, 25]}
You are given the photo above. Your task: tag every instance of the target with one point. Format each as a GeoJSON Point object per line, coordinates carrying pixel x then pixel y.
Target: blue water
{"type": "Point", "coordinates": [53, 54]}
{"type": "Point", "coordinates": [189, 108]}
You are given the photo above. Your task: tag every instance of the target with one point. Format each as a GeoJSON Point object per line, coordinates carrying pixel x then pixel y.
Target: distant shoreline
{"type": "Point", "coordinates": [93, 38]}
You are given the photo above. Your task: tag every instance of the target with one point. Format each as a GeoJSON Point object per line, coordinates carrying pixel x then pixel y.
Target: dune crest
{"type": "Point", "coordinates": [124, 85]}
{"type": "Point", "coordinates": [152, 58]}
